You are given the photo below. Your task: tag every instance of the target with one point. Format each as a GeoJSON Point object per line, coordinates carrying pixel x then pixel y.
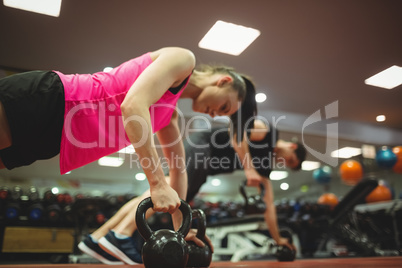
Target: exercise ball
{"type": "Point", "coordinates": [322, 175]}
{"type": "Point", "coordinates": [397, 150]}
{"type": "Point", "coordinates": [389, 186]}
{"type": "Point", "coordinates": [380, 193]}
{"type": "Point", "coordinates": [328, 199]}
{"type": "Point", "coordinates": [386, 158]}
{"type": "Point", "coordinates": [351, 172]}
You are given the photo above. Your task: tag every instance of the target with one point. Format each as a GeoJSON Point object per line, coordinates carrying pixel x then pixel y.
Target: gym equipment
{"type": "Point", "coordinates": [49, 197]}
{"type": "Point", "coordinates": [199, 256]}
{"type": "Point", "coordinates": [82, 215]}
{"type": "Point", "coordinates": [322, 175]}
{"type": "Point", "coordinates": [33, 194]}
{"type": "Point", "coordinates": [254, 204]}
{"type": "Point", "coordinates": [12, 211]}
{"type": "Point", "coordinates": [164, 247]}
{"type": "Point", "coordinates": [284, 253]}
{"type": "Point", "coordinates": [4, 197]}
{"type": "Point", "coordinates": [13, 207]}
{"type": "Point", "coordinates": [35, 208]}
{"type": "Point", "coordinates": [16, 193]}
{"type": "Point", "coordinates": [53, 213]}
{"type": "Point", "coordinates": [351, 172]}
{"type": "Point", "coordinates": [382, 222]}
{"type": "Point", "coordinates": [328, 199]}
{"type": "Point", "coordinates": [4, 193]}
{"type": "Point", "coordinates": [244, 237]}
{"type": "Point", "coordinates": [386, 158]}
{"type": "Point", "coordinates": [339, 226]}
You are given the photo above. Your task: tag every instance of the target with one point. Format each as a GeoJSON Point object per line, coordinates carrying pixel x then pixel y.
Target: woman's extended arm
{"type": "Point", "coordinates": [170, 66]}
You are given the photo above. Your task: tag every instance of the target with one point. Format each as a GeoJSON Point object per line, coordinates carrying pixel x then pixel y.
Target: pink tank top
{"type": "Point", "coordinates": [93, 124]}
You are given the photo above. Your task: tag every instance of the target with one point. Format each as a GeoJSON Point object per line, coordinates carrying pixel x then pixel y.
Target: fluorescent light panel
{"type": "Point", "coordinates": [46, 7]}
{"type": "Point", "coordinates": [278, 175]}
{"type": "Point", "coordinates": [228, 38]}
{"type": "Point", "coordinates": [346, 152]}
{"type": "Point", "coordinates": [310, 165]}
{"type": "Point", "coordinates": [110, 161]}
{"type": "Point", "coordinates": [140, 176]}
{"type": "Point", "coordinates": [389, 78]}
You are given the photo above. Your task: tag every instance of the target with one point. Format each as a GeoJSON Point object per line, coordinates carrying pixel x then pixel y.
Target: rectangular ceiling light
{"type": "Point", "coordinates": [346, 152]}
{"type": "Point", "coordinates": [389, 78]}
{"type": "Point", "coordinates": [109, 161]}
{"type": "Point", "coordinates": [278, 175]}
{"type": "Point", "coordinates": [310, 165]}
{"type": "Point", "coordinates": [47, 7]}
{"type": "Point", "coordinates": [228, 38]}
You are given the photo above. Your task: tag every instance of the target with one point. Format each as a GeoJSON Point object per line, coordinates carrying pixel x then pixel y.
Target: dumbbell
{"type": "Point", "coordinates": [52, 208]}
{"type": "Point", "coordinates": [35, 208]}
{"type": "Point", "coordinates": [283, 253]}
{"type": "Point", "coordinates": [13, 206]}
{"type": "Point", "coordinates": [4, 194]}
{"type": "Point", "coordinates": [4, 197]}
{"type": "Point", "coordinates": [254, 204]}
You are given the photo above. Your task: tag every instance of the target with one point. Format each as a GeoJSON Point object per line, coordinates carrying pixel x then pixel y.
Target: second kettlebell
{"type": "Point", "coordinates": [199, 256]}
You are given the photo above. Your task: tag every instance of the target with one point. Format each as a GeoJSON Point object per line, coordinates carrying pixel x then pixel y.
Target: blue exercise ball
{"type": "Point", "coordinates": [385, 158]}
{"type": "Point", "coordinates": [322, 175]}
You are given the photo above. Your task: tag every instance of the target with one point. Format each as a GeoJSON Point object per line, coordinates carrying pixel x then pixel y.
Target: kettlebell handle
{"type": "Point", "coordinates": [244, 194]}
{"type": "Point", "coordinates": [145, 230]}
{"type": "Point", "coordinates": [202, 222]}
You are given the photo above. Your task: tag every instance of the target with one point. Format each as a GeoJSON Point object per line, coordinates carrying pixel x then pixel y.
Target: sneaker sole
{"type": "Point", "coordinates": [112, 250]}
{"type": "Point", "coordinates": [95, 255]}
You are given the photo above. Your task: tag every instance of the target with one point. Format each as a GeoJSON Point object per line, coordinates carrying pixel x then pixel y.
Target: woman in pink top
{"type": "Point", "coordinates": [85, 117]}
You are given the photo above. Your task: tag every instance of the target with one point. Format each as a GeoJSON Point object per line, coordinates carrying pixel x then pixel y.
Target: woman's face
{"type": "Point", "coordinates": [217, 101]}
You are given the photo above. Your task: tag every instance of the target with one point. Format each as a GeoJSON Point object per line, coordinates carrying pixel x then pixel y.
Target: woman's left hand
{"type": "Point", "coordinates": [192, 236]}
{"type": "Point", "coordinates": [253, 177]}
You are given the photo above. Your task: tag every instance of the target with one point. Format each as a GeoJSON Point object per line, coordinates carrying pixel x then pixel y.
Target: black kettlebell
{"type": "Point", "coordinates": [199, 256]}
{"type": "Point", "coordinates": [253, 204]}
{"type": "Point", "coordinates": [283, 253]}
{"type": "Point", "coordinates": [164, 247]}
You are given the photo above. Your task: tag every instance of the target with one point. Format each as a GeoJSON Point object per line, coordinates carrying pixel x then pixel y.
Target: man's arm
{"type": "Point", "coordinates": [171, 142]}
{"type": "Point", "coordinates": [242, 149]}
{"type": "Point", "coordinates": [270, 216]}
{"type": "Point", "coordinates": [172, 146]}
